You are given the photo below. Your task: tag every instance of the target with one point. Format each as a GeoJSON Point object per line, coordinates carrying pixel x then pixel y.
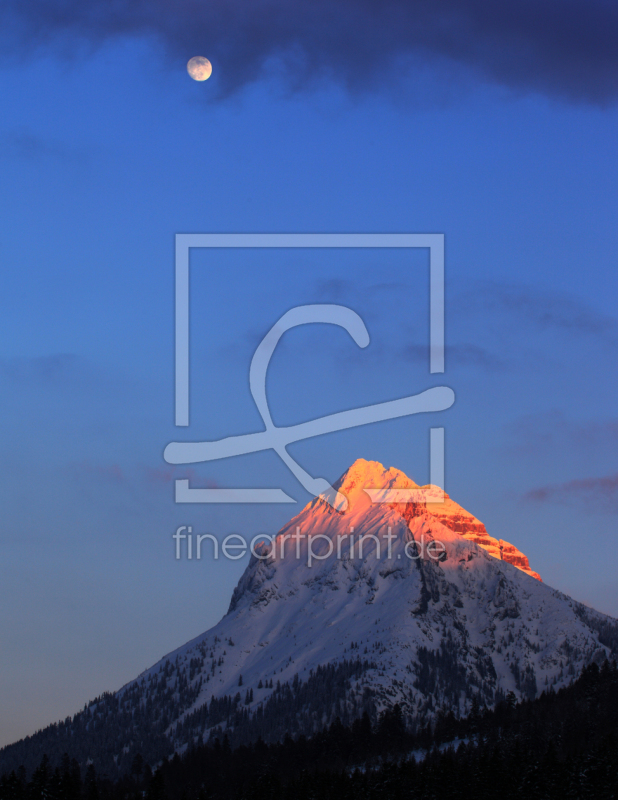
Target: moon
{"type": "Point", "coordinates": [199, 68]}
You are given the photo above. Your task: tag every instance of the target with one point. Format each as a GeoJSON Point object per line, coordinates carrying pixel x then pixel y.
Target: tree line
{"type": "Point", "coordinates": [563, 744]}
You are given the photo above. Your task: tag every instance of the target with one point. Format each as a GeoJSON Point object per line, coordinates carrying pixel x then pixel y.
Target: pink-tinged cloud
{"type": "Point", "coordinates": [164, 476]}
{"type": "Point", "coordinates": [594, 493]}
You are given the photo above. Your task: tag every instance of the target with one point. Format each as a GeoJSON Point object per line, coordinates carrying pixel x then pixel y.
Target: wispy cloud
{"type": "Point", "coordinates": [134, 477]}
{"type": "Point", "coordinates": [457, 355]}
{"type": "Point", "coordinates": [553, 310]}
{"type": "Point", "coordinates": [540, 309]}
{"type": "Point", "coordinates": [550, 430]}
{"type": "Point", "coordinates": [564, 48]}
{"type": "Point", "coordinates": [57, 369]}
{"type": "Point", "coordinates": [338, 290]}
{"type": "Point", "coordinates": [27, 145]}
{"type": "Point", "coordinates": [97, 472]}
{"type": "Point", "coordinates": [598, 494]}
{"type": "Point", "coordinates": [166, 475]}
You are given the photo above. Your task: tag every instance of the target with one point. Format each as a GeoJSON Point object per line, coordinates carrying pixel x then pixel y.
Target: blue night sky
{"type": "Point", "coordinates": [494, 124]}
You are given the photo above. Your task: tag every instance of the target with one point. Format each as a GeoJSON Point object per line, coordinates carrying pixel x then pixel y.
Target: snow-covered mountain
{"type": "Point", "coordinates": [428, 629]}
{"type": "Point", "coordinates": [350, 611]}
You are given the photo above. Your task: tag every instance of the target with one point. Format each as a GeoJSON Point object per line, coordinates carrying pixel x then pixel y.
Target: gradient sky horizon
{"type": "Point", "coordinates": [496, 128]}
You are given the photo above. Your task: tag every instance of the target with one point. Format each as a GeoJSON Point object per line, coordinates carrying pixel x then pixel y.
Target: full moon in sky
{"type": "Point", "coordinates": [199, 68]}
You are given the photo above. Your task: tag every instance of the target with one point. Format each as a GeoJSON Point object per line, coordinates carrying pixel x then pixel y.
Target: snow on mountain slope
{"type": "Point", "coordinates": [429, 629]}
{"type": "Point", "coordinates": [346, 612]}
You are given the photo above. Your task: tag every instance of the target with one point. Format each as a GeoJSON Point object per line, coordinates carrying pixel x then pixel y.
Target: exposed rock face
{"type": "Point", "coordinates": [457, 519]}
{"type": "Point", "coordinates": [372, 475]}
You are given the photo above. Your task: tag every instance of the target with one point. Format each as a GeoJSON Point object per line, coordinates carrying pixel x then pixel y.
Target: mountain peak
{"type": "Point", "coordinates": [372, 474]}
{"type": "Point", "coordinates": [363, 475]}
{"type": "Point", "coordinates": [430, 501]}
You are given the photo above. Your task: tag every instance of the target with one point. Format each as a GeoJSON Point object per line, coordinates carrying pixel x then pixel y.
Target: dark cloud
{"type": "Point", "coordinates": [565, 48]}
{"type": "Point", "coordinates": [595, 494]}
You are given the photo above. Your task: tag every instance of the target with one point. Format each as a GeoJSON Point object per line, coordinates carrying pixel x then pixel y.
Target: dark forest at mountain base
{"type": "Point", "coordinates": [562, 745]}
{"type": "Point", "coordinates": [112, 730]}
